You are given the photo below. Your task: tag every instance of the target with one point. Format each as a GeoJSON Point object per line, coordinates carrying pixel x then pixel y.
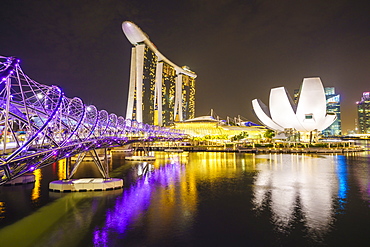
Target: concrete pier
{"type": "Point", "coordinates": [86, 184]}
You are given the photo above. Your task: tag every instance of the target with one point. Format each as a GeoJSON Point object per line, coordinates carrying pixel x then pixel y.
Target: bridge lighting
{"type": "Point", "coordinates": [55, 123]}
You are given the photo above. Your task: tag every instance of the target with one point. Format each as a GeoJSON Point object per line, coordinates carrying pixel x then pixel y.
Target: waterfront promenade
{"type": "Point", "coordinates": [263, 149]}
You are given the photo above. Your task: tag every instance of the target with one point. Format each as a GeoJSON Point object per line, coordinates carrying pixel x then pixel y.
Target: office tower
{"type": "Point", "coordinates": [363, 110]}
{"type": "Point", "coordinates": [333, 105]}
{"type": "Point", "coordinates": [160, 92]}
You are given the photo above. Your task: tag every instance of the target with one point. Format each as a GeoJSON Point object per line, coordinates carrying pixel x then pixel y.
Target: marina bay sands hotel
{"type": "Point", "coordinates": [160, 92]}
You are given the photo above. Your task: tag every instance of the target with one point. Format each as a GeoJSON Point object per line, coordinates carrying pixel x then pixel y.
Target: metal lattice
{"type": "Point", "coordinates": [40, 125]}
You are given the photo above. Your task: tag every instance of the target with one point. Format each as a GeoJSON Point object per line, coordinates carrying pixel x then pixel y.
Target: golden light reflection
{"type": "Point", "coordinates": [36, 189]}
{"type": "Point", "coordinates": [177, 195]}
{"type": "Point", "coordinates": [213, 164]}
{"type": "Point", "coordinates": [61, 169]}
{"type": "Point", "coordinates": [178, 181]}
{"type": "Point", "coordinates": [180, 193]}
{"type": "Point", "coordinates": [2, 210]}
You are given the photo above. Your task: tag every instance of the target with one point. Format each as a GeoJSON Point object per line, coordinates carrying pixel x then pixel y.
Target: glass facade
{"type": "Point", "coordinates": [333, 105]}
{"type": "Point", "coordinates": [363, 110]}
{"type": "Point", "coordinates": [168, 94]}
{"type": "Point", "coordinates": [188, 97]}
{"type": "Point", "coordinates": [148, 88]}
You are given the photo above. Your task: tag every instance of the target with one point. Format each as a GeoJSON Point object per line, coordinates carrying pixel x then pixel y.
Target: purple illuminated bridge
{"type": "Point", "coordinates": [39, 125]}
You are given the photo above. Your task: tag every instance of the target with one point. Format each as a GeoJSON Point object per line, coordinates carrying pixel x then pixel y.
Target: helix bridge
{"type": "Point", "coordinates": [40, 125]}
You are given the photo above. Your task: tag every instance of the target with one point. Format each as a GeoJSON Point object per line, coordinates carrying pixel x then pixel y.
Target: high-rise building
{"type": "Point", "coordinates": [160, 92]}
{"type": "Point", "coordinates": [333, 105]}
{"type": "Point", "coordinates": [363, 110]}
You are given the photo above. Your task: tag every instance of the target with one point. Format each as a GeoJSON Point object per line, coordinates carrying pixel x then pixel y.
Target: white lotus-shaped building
{"type": "Point", "coordinates": [308, 115]}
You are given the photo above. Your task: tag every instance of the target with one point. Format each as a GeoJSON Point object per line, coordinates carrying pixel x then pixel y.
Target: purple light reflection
{"type": "Point", "coordinates": [135, 201]}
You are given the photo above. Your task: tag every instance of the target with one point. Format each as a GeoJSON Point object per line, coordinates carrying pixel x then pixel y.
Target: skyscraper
{"type": "Point", "coordinates": [363, 110]}
{"type": "Point", "coordinates": [160, 92]}
{"type": "Point", "coordinates": [333, 105]}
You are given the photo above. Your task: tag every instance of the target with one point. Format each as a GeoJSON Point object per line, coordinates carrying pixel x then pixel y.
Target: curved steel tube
{"type": "Point", "coordinates": [46, 126]}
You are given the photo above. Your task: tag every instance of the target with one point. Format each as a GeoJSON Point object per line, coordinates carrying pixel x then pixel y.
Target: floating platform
{"type": "Point", "coordinates": [86, 184]}
{"type": "Point", "coordinates": [140, 158]}
{"type": "Point", "coordinates": [24, 179]}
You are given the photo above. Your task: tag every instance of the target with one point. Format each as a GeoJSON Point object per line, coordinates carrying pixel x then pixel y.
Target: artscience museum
{"type": "Point", "coordinates": [307, 115]}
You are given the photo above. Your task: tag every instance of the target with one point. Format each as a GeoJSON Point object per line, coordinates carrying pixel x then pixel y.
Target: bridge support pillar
{"type": "Point", "coordinates": [146, 155]}
{"type": "Point", "coordinates": [68, 165]}
{"type": "Point", "coordinates": [87, 184]}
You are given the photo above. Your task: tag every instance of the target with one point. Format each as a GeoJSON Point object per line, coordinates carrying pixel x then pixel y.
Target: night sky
{"type": "Point", "coordinates": [239, 49]}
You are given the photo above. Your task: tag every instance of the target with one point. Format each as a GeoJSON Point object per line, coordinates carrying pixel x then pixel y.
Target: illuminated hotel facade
{"type": "Point", "coordinates": [160, 92]}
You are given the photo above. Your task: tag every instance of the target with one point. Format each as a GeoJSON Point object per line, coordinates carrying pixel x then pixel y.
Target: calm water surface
{"type": "Point", "coordinates": [199, 199]}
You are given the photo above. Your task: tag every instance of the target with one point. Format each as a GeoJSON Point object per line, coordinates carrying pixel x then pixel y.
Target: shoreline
{"type": "Point", "coordinates": [266, 149]}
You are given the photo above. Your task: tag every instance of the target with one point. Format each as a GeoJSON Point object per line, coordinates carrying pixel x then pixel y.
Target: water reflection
{"type": "Point", "coordinates": [156, 183]}
{"type": "Point", "coordinates": [199, 199]}
{"type": "Point", "coordinates": [2, 209]}
{"type": "Point", "coordinates": [361, 172]}
{"type": "Point", "coordinates": [290, 183]}
{"type": "Point", "coordinates": [61, 168]}
{"type": "Point", "coordinates": [362, 175]}
{"type": "Point", "coordinates": [342, 174]}
{"type": "Point", "coordinates": [35, 195]}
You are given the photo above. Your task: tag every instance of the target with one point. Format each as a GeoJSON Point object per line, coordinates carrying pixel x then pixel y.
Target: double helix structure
{"type": "Point", "coordinates": [39, 125]}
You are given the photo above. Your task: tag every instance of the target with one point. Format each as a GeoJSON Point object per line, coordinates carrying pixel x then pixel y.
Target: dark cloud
{"type": "Point", "coordinates": [239, 49]}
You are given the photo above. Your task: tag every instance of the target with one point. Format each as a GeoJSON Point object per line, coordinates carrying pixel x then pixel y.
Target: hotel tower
{"type": "Point", "coordinates": [160, 92]}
